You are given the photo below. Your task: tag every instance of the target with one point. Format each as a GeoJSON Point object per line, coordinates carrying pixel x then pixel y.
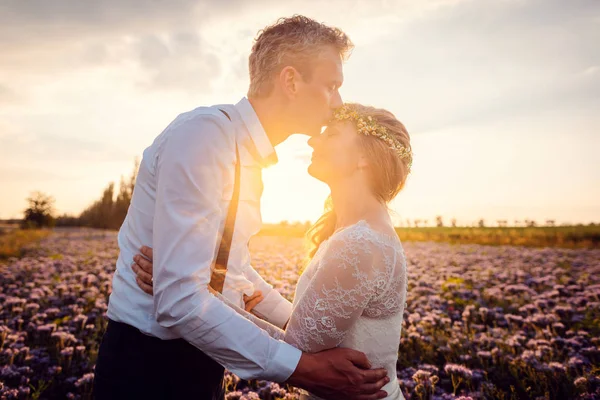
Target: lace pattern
{"type": "Point", "coordinates": [359, 273]}
{"type": "Point", "coordinates": [352, 294]}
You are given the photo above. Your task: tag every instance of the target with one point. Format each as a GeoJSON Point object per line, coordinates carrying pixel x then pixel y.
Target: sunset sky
{"type": "Point", "coordinates": [501, 98]}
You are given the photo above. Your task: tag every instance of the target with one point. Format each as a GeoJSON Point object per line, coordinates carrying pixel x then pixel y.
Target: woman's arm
{"type": "Point", "coordinates": [349, 275]}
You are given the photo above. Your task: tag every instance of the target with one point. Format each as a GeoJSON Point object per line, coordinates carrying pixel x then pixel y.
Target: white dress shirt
{"type": "Point", "coordinates": [179, 205]}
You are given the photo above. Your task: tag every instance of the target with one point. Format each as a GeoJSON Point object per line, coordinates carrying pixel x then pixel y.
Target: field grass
{"type": "Point", "coordinates": [572, 237]}
{"type": "Point", "coordinates": [13, 243]}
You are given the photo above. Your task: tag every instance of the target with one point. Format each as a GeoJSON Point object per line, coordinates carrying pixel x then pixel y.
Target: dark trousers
{"type": "Point", "coordinates": [132, 365]}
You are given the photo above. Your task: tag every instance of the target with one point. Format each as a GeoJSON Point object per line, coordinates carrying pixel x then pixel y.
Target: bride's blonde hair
{"type": "Point", "coordinates": [388, 172]}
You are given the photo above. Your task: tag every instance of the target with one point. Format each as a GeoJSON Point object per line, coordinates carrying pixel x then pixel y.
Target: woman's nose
{"type": "Point", "coordinates": [313, 141]}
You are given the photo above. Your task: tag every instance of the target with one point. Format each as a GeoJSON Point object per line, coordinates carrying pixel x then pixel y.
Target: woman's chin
{"type": "Point", "coordinates": [314, 171]}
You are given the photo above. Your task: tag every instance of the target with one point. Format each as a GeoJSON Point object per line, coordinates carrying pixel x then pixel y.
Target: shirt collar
{"type": "Point", "coordinates": [266, 151]}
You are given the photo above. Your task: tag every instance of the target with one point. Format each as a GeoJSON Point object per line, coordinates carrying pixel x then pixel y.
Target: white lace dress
{"type": "Point", "coordinates": [352, 295]}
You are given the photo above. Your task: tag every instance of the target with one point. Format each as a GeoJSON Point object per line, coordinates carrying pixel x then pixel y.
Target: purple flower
{"type": "Point", "coordinates": [458, 370]}
{"type": "Point", "coordinates": [581, 382]}
{"type": "Point", "coordinates": [86, 379]}
{"type": "Point", "coordinates": [421, 375]}
{"type": "Point", "coordinates": [557, 367]}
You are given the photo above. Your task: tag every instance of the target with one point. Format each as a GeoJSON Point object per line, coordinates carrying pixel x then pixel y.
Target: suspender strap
{"type": "Point", "coordinates": [219, 271]}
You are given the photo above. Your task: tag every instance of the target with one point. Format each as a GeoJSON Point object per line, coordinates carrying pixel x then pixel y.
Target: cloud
{"type": "Point", "coordinates": [480, 60]}
{"type": "Point", "coordinates": [17, 174]}
{"type": "Point", "coordinates": [47, 148]}
{"type": "Point", "coordinates": [457, 59]}
{"type": "Point", "coordinates": [593, 70]}
{"type": "Point", "coordinates": [58, 35]}
{"type": "Point", "coordinates": [29, 21]}
{"type": "Point", "coordinates": [49, 38]}
{"type": "Point", "coordinates": [9, 96]}
{"type": "Point", "coordinates": [178, 61]}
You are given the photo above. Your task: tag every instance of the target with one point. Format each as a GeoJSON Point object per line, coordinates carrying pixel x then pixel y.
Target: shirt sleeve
{"type": "Point", "coordinates": [196, 159]}
{"type": "Point", "coordinates": [274, 307]}
{"type": "Point", "coordinates": [272, 330]}
{"type": "Point", "coordinates": [348, 277]}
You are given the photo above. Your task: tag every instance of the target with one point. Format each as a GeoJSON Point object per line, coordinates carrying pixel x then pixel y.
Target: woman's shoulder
{"type": "Point", "coordinates": [365, 231]}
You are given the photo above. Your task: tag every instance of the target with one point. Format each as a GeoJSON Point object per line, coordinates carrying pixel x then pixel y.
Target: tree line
{"type": "Point", "coordinates": [108, 212]}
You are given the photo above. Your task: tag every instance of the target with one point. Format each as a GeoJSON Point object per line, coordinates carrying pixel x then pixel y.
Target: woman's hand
{"type": "Point", "coordinates": [142, 266]}
{"type": "Point", "coordinates": [253, 300]}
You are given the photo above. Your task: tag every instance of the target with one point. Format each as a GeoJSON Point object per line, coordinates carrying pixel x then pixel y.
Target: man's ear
{"type": "Point", "coordinates": [289, 79]}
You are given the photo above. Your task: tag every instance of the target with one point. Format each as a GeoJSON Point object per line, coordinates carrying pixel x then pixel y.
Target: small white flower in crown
{"type": "Point", "coordinates": [366, 125]}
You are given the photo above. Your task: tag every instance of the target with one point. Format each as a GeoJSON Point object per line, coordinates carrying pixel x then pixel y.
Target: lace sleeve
{"type": "Point", "coordinates": [351, 272]}
{"type": "Point", "coordinates": [273, 331]}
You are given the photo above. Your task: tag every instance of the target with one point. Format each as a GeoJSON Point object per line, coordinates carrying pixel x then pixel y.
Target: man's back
{"type": "Point", "coordinates": [128, 303]}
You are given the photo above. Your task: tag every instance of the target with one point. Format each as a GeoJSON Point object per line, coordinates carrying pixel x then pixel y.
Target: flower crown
{"type": "Point", "coordinates": [367, 125]}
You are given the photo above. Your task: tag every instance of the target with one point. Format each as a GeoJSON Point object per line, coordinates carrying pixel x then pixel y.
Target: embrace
{"type": "Point", "coordinates": [186, 302]}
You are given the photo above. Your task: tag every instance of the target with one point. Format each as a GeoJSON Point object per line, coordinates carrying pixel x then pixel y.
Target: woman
{"type": "Point", "coordinates": [353, 291]}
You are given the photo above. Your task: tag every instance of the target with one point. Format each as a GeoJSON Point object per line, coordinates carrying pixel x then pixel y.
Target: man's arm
{"type": "Point", "coordinates": [274, 307]}
{"type": "Point", "coordinates": [192, 169]}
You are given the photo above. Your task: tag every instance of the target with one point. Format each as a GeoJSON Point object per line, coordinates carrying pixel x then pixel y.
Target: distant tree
{"type": "Point", "coordinates": [67, 220]}
{"type": "Point", "coordinates": [453, 222]}
{"type": "Point", "coordinates": [121, 205]}
{"type": "Point", "coordinates": [408, 222]}
{"type": "Point", "coordinates": [109, 212]}
{"type": "Point", "coordinates": [40, 213]}
{"type": "Point", "coordinates": [481, 223]}
{"type": "Point", "coordinates": [550, 222]}
{"type": "Point", "coordinates": [531, 223]}
{"type": "Point", "coordinates": [425, 222]}
{"type": "Point", "coordinates": [439, 222]}
{"type": "Point", "coordinates": [502, 223]}
{"type": "Point", "coordinates": [417, 222]}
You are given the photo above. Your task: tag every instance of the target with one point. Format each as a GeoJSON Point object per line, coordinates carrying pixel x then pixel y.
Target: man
{"type": "Point", "coordinates": [177, 343]}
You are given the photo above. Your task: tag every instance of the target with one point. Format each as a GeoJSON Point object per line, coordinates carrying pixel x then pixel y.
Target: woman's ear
{"type": "Point", "coordinates": [363, 161]}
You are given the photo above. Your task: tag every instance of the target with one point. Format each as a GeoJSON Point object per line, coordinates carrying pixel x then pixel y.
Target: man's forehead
{"type": "Point", "coordinates": [330, 62]}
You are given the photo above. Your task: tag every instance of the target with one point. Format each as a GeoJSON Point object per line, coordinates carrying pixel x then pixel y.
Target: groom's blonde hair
{"type": "Point", "coordinates": [294, 41]}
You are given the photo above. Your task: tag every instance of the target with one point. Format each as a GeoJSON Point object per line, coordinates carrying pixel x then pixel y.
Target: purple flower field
{"type": "Point", "coordinates": [482, 322]}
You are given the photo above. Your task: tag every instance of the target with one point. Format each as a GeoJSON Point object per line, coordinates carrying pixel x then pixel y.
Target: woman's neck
{"type": "Point", "coordinates": [353, 201]}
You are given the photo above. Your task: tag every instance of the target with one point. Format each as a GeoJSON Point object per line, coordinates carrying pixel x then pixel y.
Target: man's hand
{"type": "Point", "coordinates": [340, 374]}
